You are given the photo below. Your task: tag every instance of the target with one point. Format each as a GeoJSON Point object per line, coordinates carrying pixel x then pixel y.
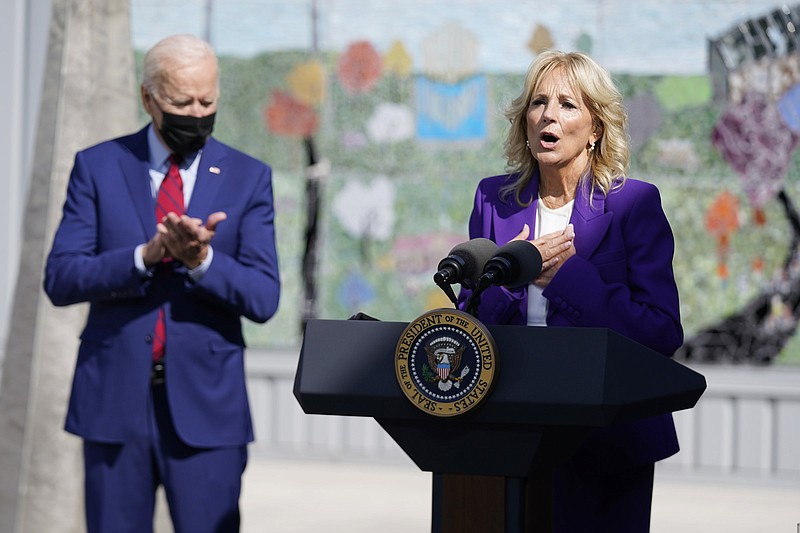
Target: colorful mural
{"type": "Point", "coordinates": [405, 123]}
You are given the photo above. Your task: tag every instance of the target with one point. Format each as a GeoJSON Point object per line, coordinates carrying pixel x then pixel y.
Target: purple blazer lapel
{"type": "Point", "coordinates": [511, 217]}
{"type": "Point", "coordinates": [591, 222]}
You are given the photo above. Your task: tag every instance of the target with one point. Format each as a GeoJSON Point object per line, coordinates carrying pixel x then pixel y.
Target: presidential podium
{"type": "Point", "coordinates": [491, 465]}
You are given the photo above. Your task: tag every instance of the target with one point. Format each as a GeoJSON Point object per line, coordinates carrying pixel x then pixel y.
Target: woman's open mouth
{"type": "Point", "coordinates": [548, 140]}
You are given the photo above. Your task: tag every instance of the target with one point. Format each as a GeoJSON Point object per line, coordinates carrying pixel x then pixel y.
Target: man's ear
{"type": "Point", "coordinates": [147, 100]}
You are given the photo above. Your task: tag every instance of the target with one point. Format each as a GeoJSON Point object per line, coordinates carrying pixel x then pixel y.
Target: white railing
{"type": "Point", "coordinates": [746, 427]}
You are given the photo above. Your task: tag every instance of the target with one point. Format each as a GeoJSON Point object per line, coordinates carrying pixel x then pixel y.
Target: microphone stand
{"type": "Point", "coordinates": [448, 290]}
{"type": "Point", "coordinates": [484, 282]}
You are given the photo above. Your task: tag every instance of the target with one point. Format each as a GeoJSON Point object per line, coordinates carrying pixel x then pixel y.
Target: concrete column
{"type": "Point", "coordinates": [89, 94]}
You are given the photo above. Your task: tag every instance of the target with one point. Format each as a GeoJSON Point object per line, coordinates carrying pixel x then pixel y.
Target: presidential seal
{"type": "Point", "coordinates": [445, 362]}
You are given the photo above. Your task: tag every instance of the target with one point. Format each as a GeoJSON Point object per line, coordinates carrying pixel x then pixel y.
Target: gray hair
{"type": "Point", "coordinates": [174, 52]}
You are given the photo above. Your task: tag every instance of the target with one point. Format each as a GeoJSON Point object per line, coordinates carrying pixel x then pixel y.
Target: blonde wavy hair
{"type": "Point", "coordinates": [608, 162]}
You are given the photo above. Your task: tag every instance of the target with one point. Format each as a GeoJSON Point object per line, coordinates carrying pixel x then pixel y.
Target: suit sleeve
{"type": "Point", "coordinates": [78, 268]}
{"type": "Point", "coordinates": [644, 306]}
{"type": "Point", "coordinates": [245, 278]}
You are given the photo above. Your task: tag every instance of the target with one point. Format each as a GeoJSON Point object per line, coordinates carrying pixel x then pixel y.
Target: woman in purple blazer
{"type": "Point", "coordinates": [607, 249]}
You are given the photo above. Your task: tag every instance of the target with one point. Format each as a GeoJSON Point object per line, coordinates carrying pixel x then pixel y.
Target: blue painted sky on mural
{"type": "Point", "coordinates": [633, 36]}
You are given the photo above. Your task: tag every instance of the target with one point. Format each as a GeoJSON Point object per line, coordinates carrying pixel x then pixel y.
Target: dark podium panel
{"type": "Point", "coordinates": [553, 386]}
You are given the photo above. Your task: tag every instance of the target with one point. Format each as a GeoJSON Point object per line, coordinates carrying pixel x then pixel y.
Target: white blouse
{"type": "Point", "coordinates": [547, 221]}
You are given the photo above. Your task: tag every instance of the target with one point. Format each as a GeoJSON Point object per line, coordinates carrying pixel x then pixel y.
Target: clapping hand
{"type": "Point", "coordinates": [186, 238]}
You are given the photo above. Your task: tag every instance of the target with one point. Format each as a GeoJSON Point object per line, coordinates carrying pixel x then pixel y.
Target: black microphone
{"type": "Point", "coordinates": [465, 262]}
{"type": "Point", "coordinates": [515, 264]}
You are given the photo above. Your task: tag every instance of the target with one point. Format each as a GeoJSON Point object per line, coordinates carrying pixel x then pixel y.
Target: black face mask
{"type": "Point", "coordinates": [184, 134]}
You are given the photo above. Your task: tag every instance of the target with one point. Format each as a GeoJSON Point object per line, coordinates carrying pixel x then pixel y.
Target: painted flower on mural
{"type": "Point", "coordinates": [287, 116]}
{"type": "Point", "coordinates": [359, 68]}
{"type": "Point", "coordinates": [755, 142]}
{"type": "Point", "coordinates": [677, 153]}
{"type": "Point", "coordinates": [353, 140]}
{"type": "Point", "coordinates": [355, 291]}
{"type": "Point", "coordinates": [789, 107]}
{"type": "Point", "coordinates": [450, 53]}
{"type": "Point", "coordinates": [366, 210]}
{"type": "Point", "coordinates": [584, 43]}
{"type": "Point", "coordinates": [541, 39]}
{"type": "Point", "coordinates": [418, 255]}
{"type": "Point", "coordinates": [645, 118]}
{"type": "Point", "coordinates": [397, 60]}
{"type": "Point", "coordinates": [391, 123]}
{"type": "Point", "coordinates": [306, 83]}
{"type": "Point", "coordinates": [722, 221]}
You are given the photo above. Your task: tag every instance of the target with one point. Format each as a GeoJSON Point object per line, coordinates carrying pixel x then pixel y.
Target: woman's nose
{"type": "Point", "coordinates": [549, 112]}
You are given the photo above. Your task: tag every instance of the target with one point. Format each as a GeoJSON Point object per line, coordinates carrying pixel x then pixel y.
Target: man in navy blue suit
{"type": "Point", "coordinates": [159, 393]}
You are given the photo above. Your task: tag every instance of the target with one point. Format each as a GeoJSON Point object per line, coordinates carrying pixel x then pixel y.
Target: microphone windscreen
{"type": "Point", "coordinates": [475, 253]}
{"type": "Point", "coordinates": [526, 261]}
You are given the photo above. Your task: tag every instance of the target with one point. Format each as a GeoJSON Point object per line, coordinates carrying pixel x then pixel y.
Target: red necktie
{"type": "Point", "coordinates": [169, 199]}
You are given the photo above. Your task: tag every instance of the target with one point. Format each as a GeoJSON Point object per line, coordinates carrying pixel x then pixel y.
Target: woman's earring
{"type": "Point", "coordinates": [591, 146]}
{"type": "Point", "coordinates": [528, 144]}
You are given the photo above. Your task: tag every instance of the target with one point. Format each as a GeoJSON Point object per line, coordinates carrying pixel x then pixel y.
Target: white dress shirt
{"type": "Point", "coordinates": [159, 165]}
{"type": "Point", "coordinates": [547, 221]}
